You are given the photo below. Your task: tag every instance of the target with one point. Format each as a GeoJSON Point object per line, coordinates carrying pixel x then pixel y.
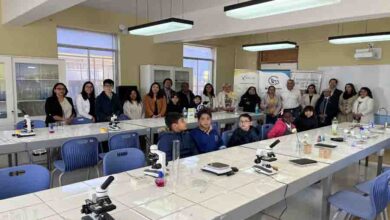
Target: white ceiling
{"type": "Point", "coordinates": [155, 6]}
{"type": "Point", "coordinates": [211, 22]}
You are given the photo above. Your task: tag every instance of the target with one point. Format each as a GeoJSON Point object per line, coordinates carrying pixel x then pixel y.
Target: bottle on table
{"type": "Point", "coordinates": [335, 126]}
{"type": "Point", "coordinates": [257, 109]}
{"type": "Point", "coordinates": [185, 113]}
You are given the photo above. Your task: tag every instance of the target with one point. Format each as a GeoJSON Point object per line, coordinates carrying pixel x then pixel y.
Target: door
{"type": "Point", "coordinates": [6, 95]}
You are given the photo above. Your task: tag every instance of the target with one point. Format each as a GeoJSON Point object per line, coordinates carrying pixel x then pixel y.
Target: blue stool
{"type": "Point", "coordinates": [77, 154]}
{"type": "Point", "coordinates": [122, 140]}
{"type": "Point", "coordinates": [215, 126]}
{"type": "Point", "coordinates": [81, 121]}
{"type": "Point", "coordinates": [20, 180]}
{"type": "Point", "coordinates": [123, 117]}
{"type": "Point", "coordinates": [363, 206]}
{"type": "Point", "coordinates": [264, 129]}
{"type": "Point", "coordinates": [226, 135]}
{"type": "Point", "coordinates": [121, 160]}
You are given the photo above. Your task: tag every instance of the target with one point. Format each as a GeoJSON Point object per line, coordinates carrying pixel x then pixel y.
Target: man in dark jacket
{"type": "Point", "coordinates": [334, 92]}
{"type": "Point", "coordinates": [326, 108]}
{"type": "Point", "coordinates": [107, 103]}
{"type": "Point", "coordinates": [186, 96]}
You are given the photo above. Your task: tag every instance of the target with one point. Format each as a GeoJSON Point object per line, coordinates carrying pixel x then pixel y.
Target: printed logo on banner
{"type": "Point", "coordinates": [273, 80]}
{"type": "Point", "coordinates": [247, 77]}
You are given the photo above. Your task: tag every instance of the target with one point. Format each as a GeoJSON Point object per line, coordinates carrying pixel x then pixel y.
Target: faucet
{"type": "Point", "coordinates": [387, 115]}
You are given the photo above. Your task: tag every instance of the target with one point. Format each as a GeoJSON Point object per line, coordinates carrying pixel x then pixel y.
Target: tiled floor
{"type": "Point", "coordinates": [303, 205]}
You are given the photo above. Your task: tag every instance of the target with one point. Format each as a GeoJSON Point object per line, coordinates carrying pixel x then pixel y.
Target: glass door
{"type": "Point", "coordinates": [160, 75]}
{"type": "Point", "coordinates": [34, 81]}
{"type": "Point", "coordinates": [6, 95]}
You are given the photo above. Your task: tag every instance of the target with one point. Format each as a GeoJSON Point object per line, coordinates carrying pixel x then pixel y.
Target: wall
{"type": "Point", "coordinates": [39, 40]}
{"type": "Point", "coordinates": [314, 49]}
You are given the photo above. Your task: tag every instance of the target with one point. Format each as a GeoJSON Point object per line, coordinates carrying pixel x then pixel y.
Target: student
{"type": "Point", "coordinates": [283, 126]}
{"type": "Point", "coordinates": [107, 103]}
{"type": "Point", "coordinates": [291, 99]}
{"type": "Point", "coordinates": [58, 107]}
{"type": "Point", "coordinates": [208, 97]}
{"type": "Point", "coordinates": [133, 107]}
{"type": "Point", "coordinates": [310, 97]}
{"type": "Point", "coordinates": [168, 91]}
{"type": "Point", "coordinates": [245, 133]}
{"type": "Point", "coordinates": [186, 96]}
{"type": "Point", "coordinates": [326, 108]}
{"type": "Point", "coordinates": [271, 104]}
{"type": "Point", "coordinates": [346, 101]}
{"type": "Point", "coordinates": [226, 98]}
{"type": "Point", "coordinates": [363, 107]}
{"type": "Point", "coordinates": [250, 100]}
{"type": "Point", "coordinates": [204, 136]}
{"type": "Point", "coordinates": [177, 131]}
{"type": "Point", "coordinates": [197, 101]}
{"type": "Point", "coordinates": [174, 104]}
{"type": "Point", "coordinates": [85, 102]}
{"type": "Point", "coordinates": [155, 103]}
{"type": "Point", "coordinates": [307, 120]}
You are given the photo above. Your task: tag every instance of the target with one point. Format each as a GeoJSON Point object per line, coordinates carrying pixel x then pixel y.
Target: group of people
{"type": "Point", "coordinates": [288, 111]}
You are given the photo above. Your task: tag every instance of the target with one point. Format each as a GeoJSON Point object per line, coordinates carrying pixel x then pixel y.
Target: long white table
{"type": "Point", "coordinates": [199, 195]}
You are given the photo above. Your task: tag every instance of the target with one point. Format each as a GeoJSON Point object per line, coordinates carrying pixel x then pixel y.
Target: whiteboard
{"type": "Point", "coordinates": [375, 77]}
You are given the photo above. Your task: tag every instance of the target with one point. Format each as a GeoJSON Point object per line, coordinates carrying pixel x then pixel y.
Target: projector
{"type": "Point", "coordinates": [369, 53]}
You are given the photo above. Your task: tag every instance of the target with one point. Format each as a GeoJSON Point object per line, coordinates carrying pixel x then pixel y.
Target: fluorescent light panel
{"type": "Point", "coordinates": [261, 8]}
{"type": "Point", "coordinates": [360, 38]}
{"type": "Point", "coordinates": [161, 27]}
{"type": "Point", "coordinates": [269, 46]}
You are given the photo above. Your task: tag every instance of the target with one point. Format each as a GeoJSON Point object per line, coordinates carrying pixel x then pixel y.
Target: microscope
{"type": "Point", "coordinates": [100, 204]}
{"type": "Point", "coordinates": [113, 125]}
{"type": "Point", "coordinates": [158, 162]}
{"type": "Point", "coordinates": [263, 160]}
{"type": "Point", "coordinates": [27, 128]}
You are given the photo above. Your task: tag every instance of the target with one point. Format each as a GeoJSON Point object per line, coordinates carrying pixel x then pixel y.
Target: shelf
{"type": "Point", "coordinates": [43, 100]}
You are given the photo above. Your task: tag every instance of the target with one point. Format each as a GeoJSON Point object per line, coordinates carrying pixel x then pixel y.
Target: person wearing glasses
{"type": "Point", "coordinates": [245, 133]}
{"type": "Point", "coordinates": [107, 103]}
{"type": "Point", "coordinates": [59, 107]}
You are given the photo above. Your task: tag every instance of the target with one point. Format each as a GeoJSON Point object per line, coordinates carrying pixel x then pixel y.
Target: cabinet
{"type": "Point", "coordinates": [25, 83]}
{"type": "Point", "coordinates": [154, 73]}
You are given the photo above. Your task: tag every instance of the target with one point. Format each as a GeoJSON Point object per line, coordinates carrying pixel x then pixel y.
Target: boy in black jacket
{"type": "Point", "coordinates": [245, 133]}
{"type": "Point", "coordinates": [107, 103]}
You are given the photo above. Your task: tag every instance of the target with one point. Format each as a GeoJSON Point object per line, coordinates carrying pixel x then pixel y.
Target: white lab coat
{"type": "Point", "coordinates": [83, 107]}
{"type": "Point", "coordinates": [366, 107]}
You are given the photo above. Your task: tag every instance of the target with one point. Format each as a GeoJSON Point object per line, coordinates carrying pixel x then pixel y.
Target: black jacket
{"type": "Point", "coordinates": [241, 137]}
{"type": "Point", "coordinates": [303, 123]}
{"type": "Point", "coordinates": [174, 108]}
{"type": "Point", "coordinates": [184, 101]}
{"type": "Point", "coordinates": [249, 102]}
{"type": "Point", "coordinates": [335, 96]}
{"type": "Point", "coordinates": [53, 108]}
{"type": "Point", "coordinates": [106, 107]}
{"type": "Point", "coordinates": [331, 111]}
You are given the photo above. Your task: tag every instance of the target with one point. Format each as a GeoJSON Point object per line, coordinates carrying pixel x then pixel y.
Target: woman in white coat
{"type": "Point", "coordinates": [85, 102]}
{"type": "Point", "coordinates": [133, 107]}
{"type": "Point", "coordinates": [310, 97]}
{"type": "Point", "coordinates": [363, 107]}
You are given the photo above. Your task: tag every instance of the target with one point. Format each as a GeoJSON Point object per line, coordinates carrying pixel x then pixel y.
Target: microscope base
{"type": "Point", "coordinates": [264, 170]}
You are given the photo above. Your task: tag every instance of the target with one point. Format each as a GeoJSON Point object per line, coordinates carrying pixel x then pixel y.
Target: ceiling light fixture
{"type": "Point", "coordinates": [360, 38]}
{"type": "Point", "coordinates": [261, 8]}
{"type": "Point", "coordinates": [269, 46]}
{"type": "Point", "coordinates": [162, 26]}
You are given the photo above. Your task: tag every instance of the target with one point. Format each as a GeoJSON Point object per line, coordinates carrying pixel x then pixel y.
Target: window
{"type": "Point", "coordinates": [89, 56]}
{"type": "Point", "coordinates": [201, 60]}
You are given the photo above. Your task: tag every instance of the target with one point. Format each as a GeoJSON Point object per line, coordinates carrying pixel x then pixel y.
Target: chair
{"type": "Point", "coordinates": [264, 129]}
{"type": "Point", "coordinates": [31, 178]}
{"type": "Point", "coordinates": [77, 154]}
{"type": "Point", "coordinates": [81, 121]}
{"type": "Point", "coordinates": [122, 140]}
{"type": "Point", "coordinates": [123, 117]}
{"type": "Point", "coordinates": [226, 135]}
{"type": "Point", "coordinates": [36, 124]}
{"type": "Point", "coordinates": [121, 160]}
{"type": "Point", "coordinates": [363, 206]}
{"type": "Point", "coordinates": [215, 126]}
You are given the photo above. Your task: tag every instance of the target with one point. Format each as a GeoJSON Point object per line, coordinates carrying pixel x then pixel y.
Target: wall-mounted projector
{"type": "Point", "coordinates": [369, 53]}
